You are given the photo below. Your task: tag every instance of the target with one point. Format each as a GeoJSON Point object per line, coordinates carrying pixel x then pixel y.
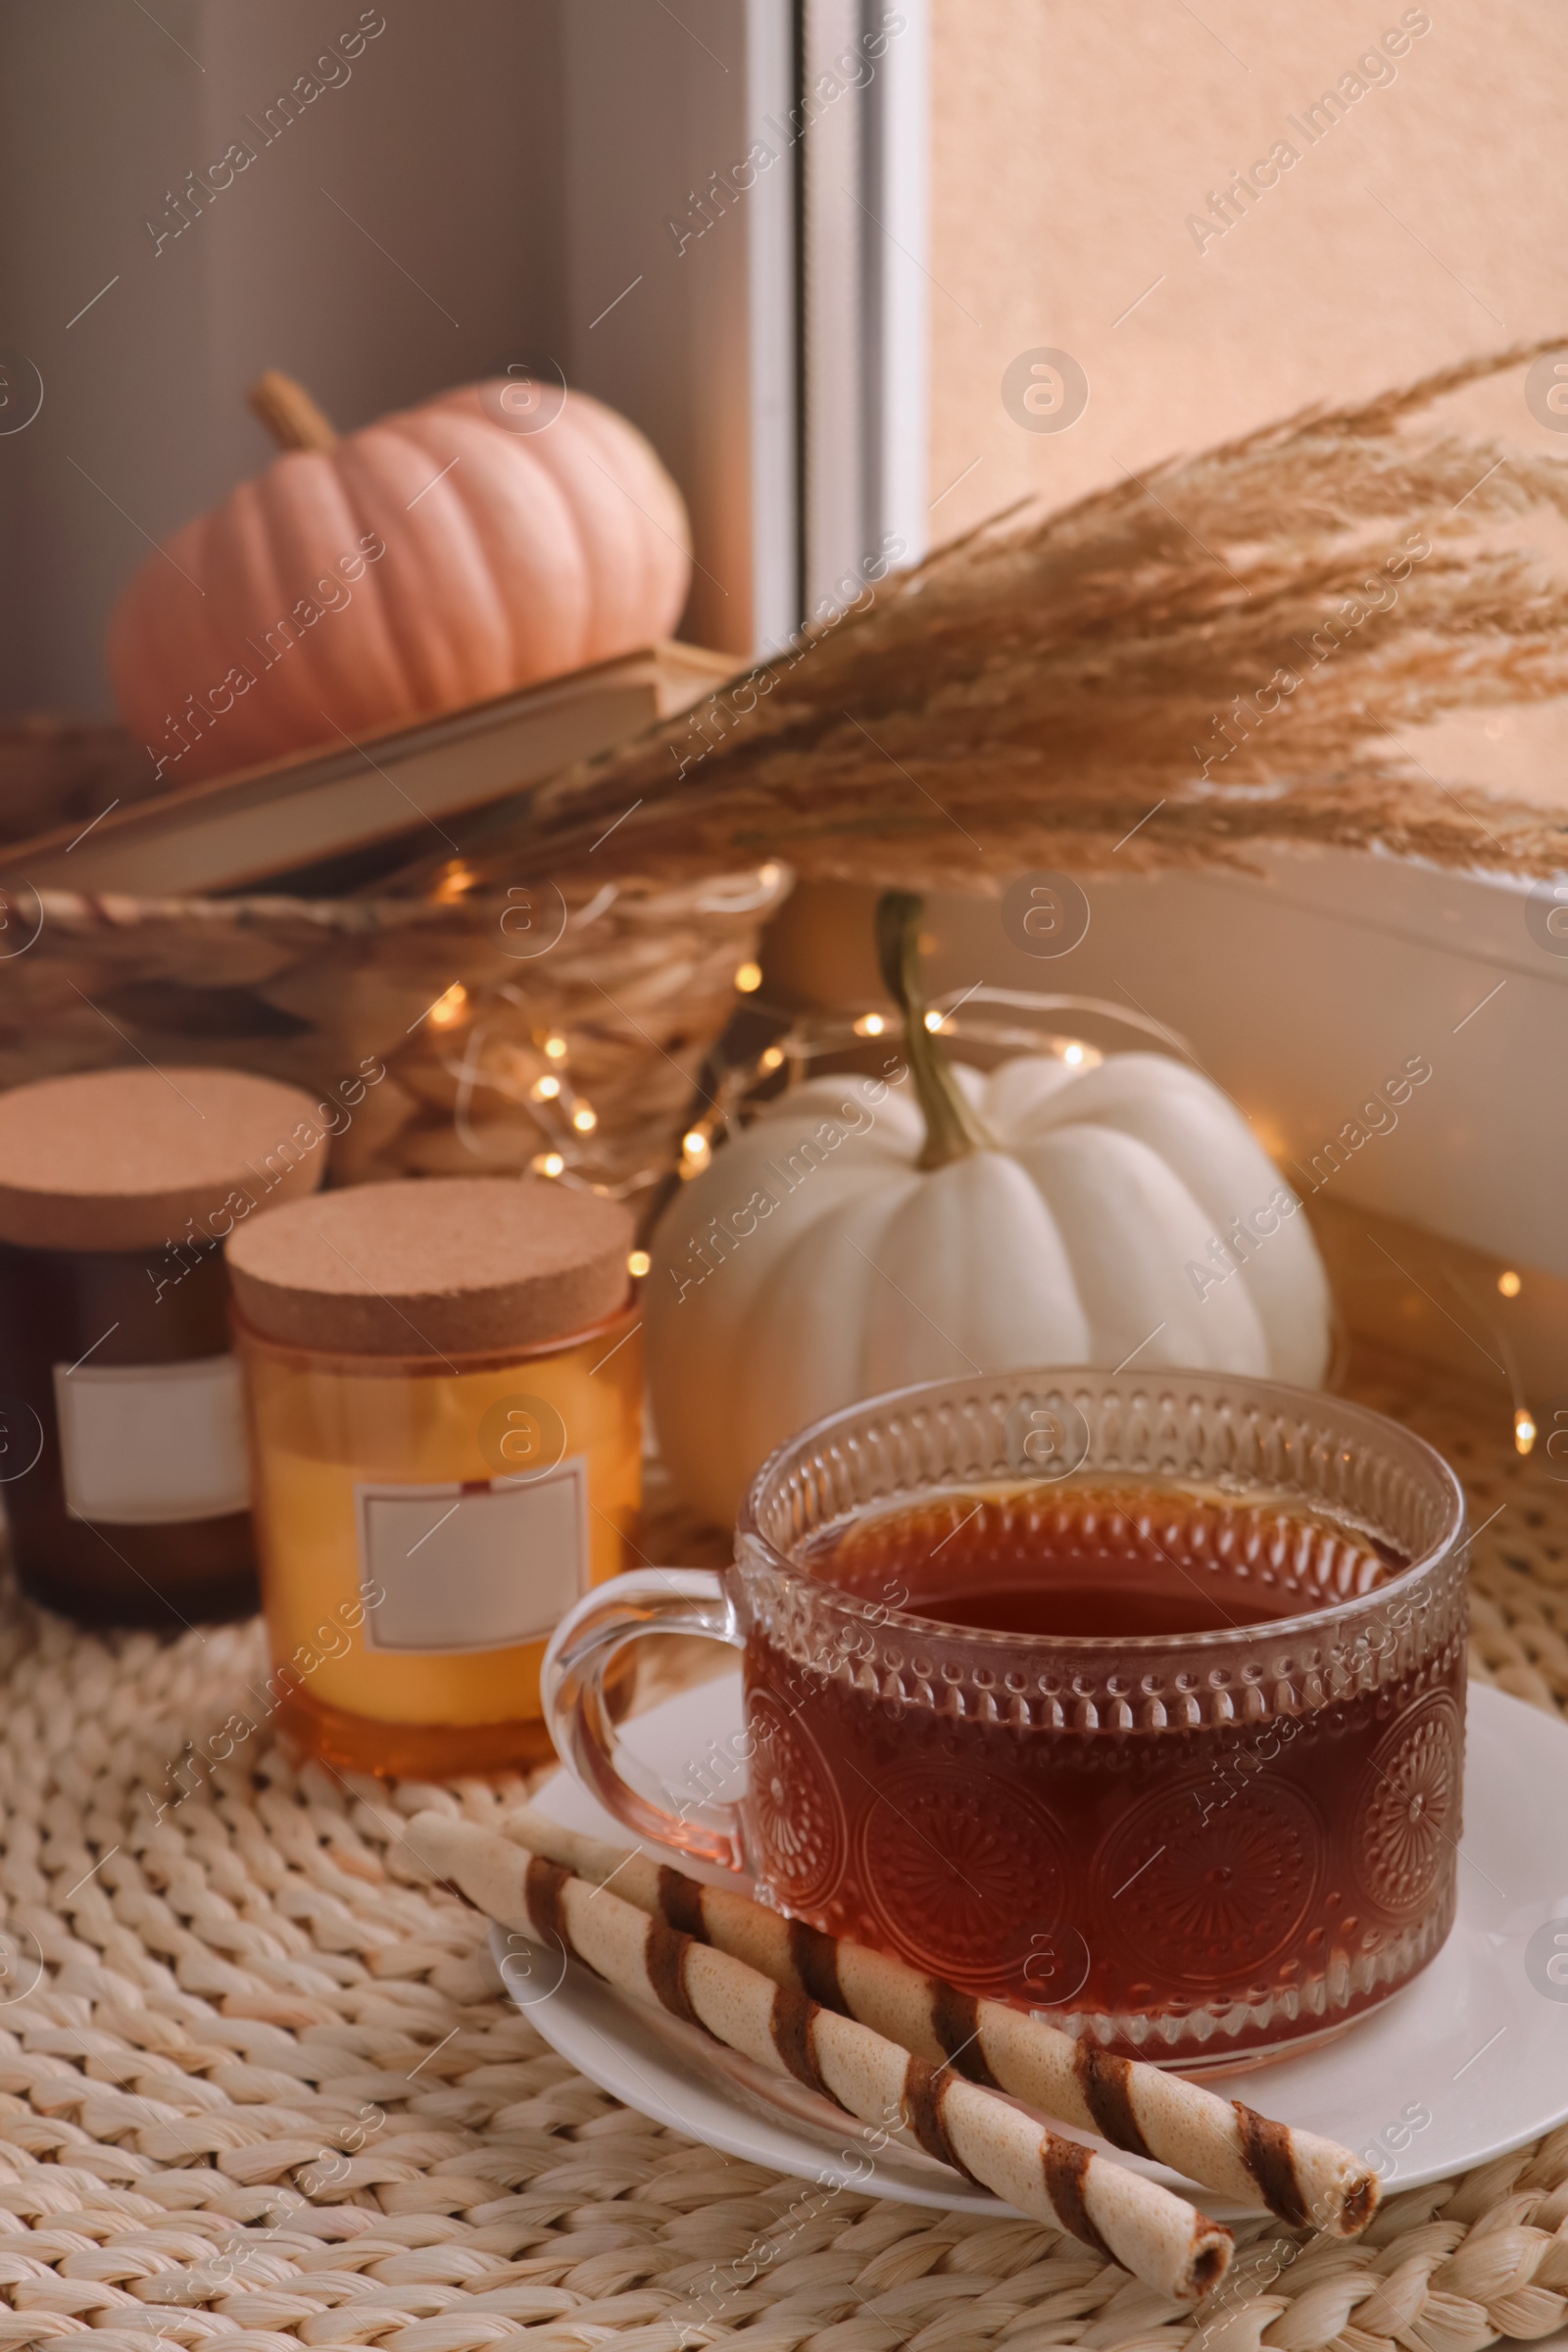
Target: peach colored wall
{"type": "Point", "coordinates": [1073, 137]}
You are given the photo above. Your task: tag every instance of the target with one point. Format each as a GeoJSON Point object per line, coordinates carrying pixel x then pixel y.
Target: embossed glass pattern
{"type": "Point", "coordinates": [1196, 1846]}
{"type": "Point", "coordinates": [1187, 1845]}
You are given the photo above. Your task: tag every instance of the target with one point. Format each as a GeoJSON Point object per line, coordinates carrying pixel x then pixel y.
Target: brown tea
{"type": "Point", "coordinates": [1222, 1854]}
{"type": "Point", "coordinates": [1100, 1561]}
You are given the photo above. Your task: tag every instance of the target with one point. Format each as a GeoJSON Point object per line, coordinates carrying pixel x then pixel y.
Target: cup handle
{"type": "Point", "coordinates": [584, 1647]}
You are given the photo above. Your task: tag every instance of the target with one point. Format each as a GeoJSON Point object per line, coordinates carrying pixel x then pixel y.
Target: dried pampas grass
{"type": "Point", "coordinates": [1233, 637]}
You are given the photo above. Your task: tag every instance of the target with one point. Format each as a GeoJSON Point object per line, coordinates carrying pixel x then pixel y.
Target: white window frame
{"type": "Point", "coordinates": [864, 325]}
{"type": "Point", "coordinates": [786, 344]}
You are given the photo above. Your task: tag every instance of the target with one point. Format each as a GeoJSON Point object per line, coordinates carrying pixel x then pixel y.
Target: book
{"type": "Point", "coordinates": [326, 821]}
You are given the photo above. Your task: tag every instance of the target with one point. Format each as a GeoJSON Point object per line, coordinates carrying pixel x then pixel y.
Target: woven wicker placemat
{"type": "Point", "coordinates": [258, 2079]}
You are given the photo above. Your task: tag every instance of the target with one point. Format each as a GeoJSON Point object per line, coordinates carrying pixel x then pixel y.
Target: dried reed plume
{"type": "Point", "coordinates": [1029, 692]}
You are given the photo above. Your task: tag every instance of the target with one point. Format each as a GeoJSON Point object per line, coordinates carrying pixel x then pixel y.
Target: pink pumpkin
{"type": "Point", "coordinates": [431, 559]}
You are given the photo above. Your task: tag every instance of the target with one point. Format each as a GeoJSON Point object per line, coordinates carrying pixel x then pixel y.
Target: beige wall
{"type": "Point", "coordinates": [508, 165]}
{"type": "Point", "coordinates": [1071, 140]}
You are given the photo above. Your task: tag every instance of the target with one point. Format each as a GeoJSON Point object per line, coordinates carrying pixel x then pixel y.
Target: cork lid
{"type": "Point", "coordinates": [447, 1266]}
{"type": "Point", "coordinates": [129, 1160]}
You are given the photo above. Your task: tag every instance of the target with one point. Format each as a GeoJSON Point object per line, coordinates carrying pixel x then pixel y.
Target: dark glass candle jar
{"type": "Point", "coordinates": [123, 1461]}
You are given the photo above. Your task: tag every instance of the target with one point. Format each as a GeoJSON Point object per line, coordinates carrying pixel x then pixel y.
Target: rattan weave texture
{"type": "Point", "coordinates": [258, 2079]}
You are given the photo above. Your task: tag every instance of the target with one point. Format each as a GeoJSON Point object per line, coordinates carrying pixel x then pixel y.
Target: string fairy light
{"type": "Point", "coordinates": [449, 1007]}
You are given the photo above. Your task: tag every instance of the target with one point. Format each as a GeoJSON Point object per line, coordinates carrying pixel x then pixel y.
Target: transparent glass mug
{"type": "Point", "coordinates": [1194, 1848]}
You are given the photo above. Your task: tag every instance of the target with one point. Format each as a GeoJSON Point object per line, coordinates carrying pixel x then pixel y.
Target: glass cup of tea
{"type": "Point", "coordinates": [1134, 1699]}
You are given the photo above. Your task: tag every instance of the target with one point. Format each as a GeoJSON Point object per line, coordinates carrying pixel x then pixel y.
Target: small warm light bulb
{"type": "Point", "coordinates": [768, 875]}
{"type": "Point", "coordinates": [1074, 1054]}
{"type": "Point", "coordinates": [773, 1058]}
{"type": "Point", "coordinates": [555, 1047]}
{"type": "Point", "coordinates": [584, 1120]}
{"type": "Point", "coordinates": [1509, 1284]}
{"type": "Point", "coordinates": [544, 1089]}
{"type": "Point", "coordinates": [1524, 1429]}
{"type": "Point", "coordinates": [547, 1163]}
{"type": "Point", "coordinates": [869, 1024]}
{"type": "Point", "coordinates": [933, 1021]}
{"type": "Point", "coordinates": [749, 976]}
{"type": "Point", "coordinates": [696, 1151]}
{"type": "Point", "coordinates": [638, 1264]}
{"type": "Point", "coordinates": [457, 880]}
{"type": "Point", "coordinates": [449, 1007]}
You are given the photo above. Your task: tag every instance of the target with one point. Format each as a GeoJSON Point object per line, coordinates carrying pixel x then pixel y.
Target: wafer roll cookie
{"type": "Point", "coordinates": [1220, 2144]}
{"type": "Point", "coordinates": [1157, 2237]}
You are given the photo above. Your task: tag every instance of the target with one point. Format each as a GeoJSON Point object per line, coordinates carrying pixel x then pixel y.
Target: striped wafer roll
{"type": "Point", "coordinates": [1131, 2220]}
{"type": "Point", "coordinates": [1217, 2142]}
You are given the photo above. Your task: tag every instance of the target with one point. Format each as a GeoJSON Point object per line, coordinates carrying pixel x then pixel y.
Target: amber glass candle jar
{"type": "Point", "coordinates": [444, 1386]}
{"type": "Point", "coordinates": [122, 1433]}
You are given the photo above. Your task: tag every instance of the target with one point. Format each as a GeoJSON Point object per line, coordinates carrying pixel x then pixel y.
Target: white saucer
{"type": "Point", "coordinates": [1477, 2046]}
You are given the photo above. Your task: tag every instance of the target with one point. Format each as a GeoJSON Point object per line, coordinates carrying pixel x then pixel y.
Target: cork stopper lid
{"type": "Point", "coordinates": [129, 1160]}
{"type": "Point", "coordinates": [448, 1267]}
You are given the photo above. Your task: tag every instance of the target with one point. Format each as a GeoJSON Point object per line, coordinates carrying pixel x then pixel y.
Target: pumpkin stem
{"type": "Point", "coordinates": [952, 1127]}
{"type": "Point", "coordinates": [289, 414]}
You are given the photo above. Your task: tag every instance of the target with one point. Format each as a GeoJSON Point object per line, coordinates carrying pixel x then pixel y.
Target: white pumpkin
{"type": "Point", "coordinates": [1064, 1216]}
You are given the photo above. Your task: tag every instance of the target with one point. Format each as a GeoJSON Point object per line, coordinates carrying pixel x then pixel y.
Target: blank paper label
{"type": "Point", "coordinates": [148, 1445]}
{"type": "Point", "coordinates": [483, 1566]}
